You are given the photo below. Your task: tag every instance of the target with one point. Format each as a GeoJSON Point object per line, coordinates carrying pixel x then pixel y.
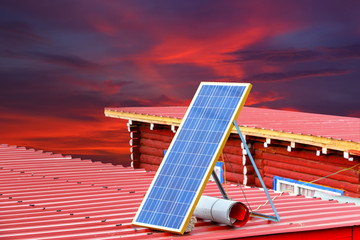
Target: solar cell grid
{"type": "Point", "coordinates": [191, 157]}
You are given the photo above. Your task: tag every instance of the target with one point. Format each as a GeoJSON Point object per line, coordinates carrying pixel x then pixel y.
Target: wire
{"type": "Point", "coordinates": [268, 201]}
{"type": "Point", "coordinates": [237, 179]}
{"type": "Point", "coordinates": [345, 169]}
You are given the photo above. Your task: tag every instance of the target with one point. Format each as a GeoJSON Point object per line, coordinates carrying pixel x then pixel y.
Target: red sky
{"type": "Point", "coordinates": [62, 62]}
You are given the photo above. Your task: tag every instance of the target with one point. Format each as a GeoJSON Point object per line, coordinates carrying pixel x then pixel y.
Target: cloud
{"type": "Point", "coordinates": [13, 29]}
{"type": "Point", "coordinates": [258, 98]}
{"type": "Point", "coordinates": [105, 139]}
{"type": "Point", "coordinates": [295, 55]}
{"type": "Point", "coordinates": [350, 51]}
{"type": "Point", "coordinates": [277, 56]}
{"type": "Point", "coordinates": [64, 61]}
{"type": "Point", "coordinates": [291, 75]}
{"type": "Point", "coordinates": [355, 113]}
{"type": "Point", "coordinates": [69, 61]}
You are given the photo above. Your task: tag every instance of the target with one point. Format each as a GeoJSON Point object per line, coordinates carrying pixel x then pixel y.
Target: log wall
{"type": "Point", "coordinates": [303, 164]}
{"type": "Point", "coordinates": [300, 163]}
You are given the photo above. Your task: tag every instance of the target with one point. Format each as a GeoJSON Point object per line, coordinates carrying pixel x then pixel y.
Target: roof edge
{"type": "Point", "coordinates": [323, 142]}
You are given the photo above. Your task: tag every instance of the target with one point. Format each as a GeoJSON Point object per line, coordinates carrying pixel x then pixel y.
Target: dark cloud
{"type": "Point", "coordinates": [14, 29]}
{"type": "Point", "coordinates": [291, 75]}
{"type": "Point", "coordinates": [295, 55]}
{"type": "Point", "coordinates": [351, 51]}
{"type": "Point", "coordinates": [47, 93]}
{"type": "Point", "coordinates": [64, 60]}
{"type": "Point", "coordinates": [278, 56]}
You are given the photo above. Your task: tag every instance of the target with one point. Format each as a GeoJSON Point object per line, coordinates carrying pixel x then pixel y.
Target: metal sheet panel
{"type": "Point", "coordinates": [49, 196]}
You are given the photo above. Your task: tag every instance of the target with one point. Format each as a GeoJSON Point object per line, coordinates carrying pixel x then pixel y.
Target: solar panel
{"type": "Point", "coordinates": [191, 157]}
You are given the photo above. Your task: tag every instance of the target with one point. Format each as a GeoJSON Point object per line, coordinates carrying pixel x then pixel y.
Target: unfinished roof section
{"type": "Point", "coordinates": [325, 131]}
{"type": "Point", "coordinates": [50, 196]}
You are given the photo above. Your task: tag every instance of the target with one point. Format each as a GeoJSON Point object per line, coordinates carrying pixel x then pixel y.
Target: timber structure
{"type": "Point", "coordinates": [315, 148]}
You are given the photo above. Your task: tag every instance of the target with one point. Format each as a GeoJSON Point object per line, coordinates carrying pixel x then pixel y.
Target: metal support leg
{"type": "Point", "coordinates": [277, 218]}
{"type": "Point", "coordinates": [223, 192]}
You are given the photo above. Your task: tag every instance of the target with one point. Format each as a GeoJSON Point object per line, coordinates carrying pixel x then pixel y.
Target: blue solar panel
{"type": "Point", "coordinates": [191, 157]}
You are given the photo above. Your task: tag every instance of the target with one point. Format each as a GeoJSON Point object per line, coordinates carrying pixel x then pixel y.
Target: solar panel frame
{"type": "Point", "coordinates": [183, 135]}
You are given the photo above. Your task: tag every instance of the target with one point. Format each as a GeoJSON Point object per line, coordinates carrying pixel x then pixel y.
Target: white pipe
{"type": "Point", "coordinates": [222, 211]}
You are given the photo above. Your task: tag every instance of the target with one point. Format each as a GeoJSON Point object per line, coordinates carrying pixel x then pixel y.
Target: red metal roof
{"type": "Point", "coordinates": [50, 196]}
{"type": "Point", "coordinates": [336, 127]}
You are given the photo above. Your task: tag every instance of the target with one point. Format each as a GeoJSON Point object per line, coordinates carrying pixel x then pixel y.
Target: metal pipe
{"type": "Point", "coordinates": [222, 211]}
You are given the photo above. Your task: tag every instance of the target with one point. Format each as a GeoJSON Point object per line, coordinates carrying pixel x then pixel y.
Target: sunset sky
{"type": "Point", "coordinates": [62, 62]}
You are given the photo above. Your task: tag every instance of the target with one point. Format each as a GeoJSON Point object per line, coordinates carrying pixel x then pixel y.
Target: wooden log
{"type": "Point", "coordinates": [134, 134]}
{"type": "Point", "coordinates": [149, 159]}
{"type": "Point", "coordinates": [259, 163]}
{"type": "Point", "coordinates": [310, 163]}
{"type": "Point", "coordinates": [308, 178]}
{"type": "Point", "coordinates": [236, 159]}
{"type": "Point", "coordinates": [135, 163]}
{"type": "Point", "coordinates": [233, 167]}
{"type": "Point", "coordinates": [135, 159]}
{"type": "Point", "coordinates": [134, 141]}
{"type": "Point", "coordinates": [149, 167]}
{"type": "Point", "coordinates": [133, 128]}
{"type": "Point", "coordinates": [151, 151]}
{"type": "Point", "coordinates": [235, 177]}
{"type": "Point", "coordinates": [134, 155]}
{"type": "Point", "coordinates": [237, 150]}
{"type": "Point", "coordinates": [234, 142]}
{"type": "Point", "coordinates": [233, 150]}
{"type": "Point", "coordinates": [258, 153]}
{"type": "Point", "coordinates": [311, 171]}
{"type": "Point", "coordinates": [305, 154]}
{"type": "Point", "coordinates": [135, 149]}
{"type": "Point", "coordinates": [268, 181]}
{"type": "Point", "coordinates": [238, 168]}
{"type": "Point", "coordinates": [163, 130]}
{"type": "Point", "coordinates": [154, 143]}
{"type": "Point", "coordinates": [158, 137]}
{"type": "Point", "coordinates": [351, 194]}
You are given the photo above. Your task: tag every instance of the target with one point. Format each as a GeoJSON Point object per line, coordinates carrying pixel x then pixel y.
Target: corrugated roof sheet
{"type": "Point", "coordinates": [50, 196]}
{"type": "Point", "coordinates": [328, 126]}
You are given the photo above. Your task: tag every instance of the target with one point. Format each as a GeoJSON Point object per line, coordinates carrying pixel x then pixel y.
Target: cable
{"type": "Point", "coordinates": [345, 169]}
{"type": "Point", "coordinates": [237, 179]}
{"type": "Point", "coordinates": [268, 201]}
